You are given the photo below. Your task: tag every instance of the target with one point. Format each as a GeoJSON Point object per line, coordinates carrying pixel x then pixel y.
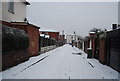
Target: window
{"type": "Point", "coordinates": [11, 6]}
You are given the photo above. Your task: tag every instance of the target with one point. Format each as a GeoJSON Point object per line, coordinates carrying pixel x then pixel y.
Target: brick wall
{"type": "Point", "coordinates": [33, 34]}
{"type": "Point", "coordinates": [22, 27]}
{"type": "Point", "coordinates": [86, 45]}
{"type": "Point", "coordinates": [93, 47]}
{"type": "Point", "coordinates": [54, 35]}
{"type": "Point", "coordinates": [62, 38]}
{"type": "Point", "coordinates": [13, 58]}
{"type": "Point", "coordinates": [102, 51]}
{"type": "Point", "coordinates": [5, 23]}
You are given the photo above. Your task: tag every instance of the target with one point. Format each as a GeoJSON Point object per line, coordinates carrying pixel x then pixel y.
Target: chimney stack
{"type": "Point", "coordinates": [114, 26]}
{"type": "Point", "coordinates": [118, 25]}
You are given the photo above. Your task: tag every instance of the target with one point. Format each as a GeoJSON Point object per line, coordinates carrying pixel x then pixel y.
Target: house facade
{"type": "Point", "coordinates": [74, 40]}
{"type": "Point", "coordinates": [0, 9]}
{"type": "Point", "coordinates": [14, 10]}
{"type": "Point", "coordinates": [70, 38]}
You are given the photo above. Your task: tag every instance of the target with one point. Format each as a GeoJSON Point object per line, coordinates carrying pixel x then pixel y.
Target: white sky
{"type": "Point", "coordinates": [73, 0]}
{"type": "Point", "coordinates": [73, 16]}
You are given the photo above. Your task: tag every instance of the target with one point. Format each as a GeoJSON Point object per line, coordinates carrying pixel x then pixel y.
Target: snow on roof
{"type": "Point", "coordinates": [42, 35]}
{"type": "Point", "coordinates": [92, 32]}
{"type": "Point", "coordinates": [47, 36]}
{"type": "Point", "coordinates": [47, 30]}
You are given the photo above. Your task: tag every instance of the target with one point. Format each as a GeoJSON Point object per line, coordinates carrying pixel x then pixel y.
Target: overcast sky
{"type": "Point", "coordinates": [73, 16]}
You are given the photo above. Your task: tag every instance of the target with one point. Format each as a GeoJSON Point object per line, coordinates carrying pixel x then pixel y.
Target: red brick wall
{"type": "Point", "coordinates": [62, 38]}
{"type": "Point", "coordinates": [102, 51]}
{"type": "Point", "coordinates": [5, 23]}
{"type": "Point", "coordinates": [9, 59]}
{"type": "Point", "coordinates": [52, 34]}
{"type": "Point", "coordinates": [33, 34]}
{"type": "Point", "coordinates": [93, 47]}
{"type": "Point", "coordinates": [92, 34]}
{"type": "Point", "coordinates": [17, 56]}
{"type": "Point", "coordinates": [22, 27]}
{"type": "Point", "coordinates": [86, 45]}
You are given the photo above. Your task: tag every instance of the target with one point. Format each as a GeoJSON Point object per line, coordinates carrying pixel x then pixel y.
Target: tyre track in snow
{"type": "Point", "coordinates": [31, 65]}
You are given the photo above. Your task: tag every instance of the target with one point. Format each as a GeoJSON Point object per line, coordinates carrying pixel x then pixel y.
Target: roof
{"type": "Point", "coordinates": [34, 25]}
{"type": "Point", "coordinates": [24, 23]}
{"type": "Point", "coordinates": [42, 35]}
{"type": "Point", "coordinates": [113, 30]}
{"type": "Point", "coordinates": [47, 36]}
{"type": "Point", "coordinates": [48, 31]}
{"type": "Point", "coordinates": [26, 2]}
{"type": "Point", "coordinates": [92, 32]}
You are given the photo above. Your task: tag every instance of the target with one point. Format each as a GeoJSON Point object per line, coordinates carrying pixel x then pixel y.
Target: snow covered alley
{"type": "Point", "coordinates": [65, 62]}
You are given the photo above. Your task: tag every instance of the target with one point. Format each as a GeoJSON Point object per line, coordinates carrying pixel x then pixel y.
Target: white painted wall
{"type": "Point", "coordinates": [83, 45]}
{"type": "Point", "coordinates": [119, 12]}
{"type": "Point", "coordinates": [19, 12]}
{"type": "Point", "coordinates": [75, 37]}
{"type": "Point", "coordinates": [69, 38]}
{"type": "Point", "coordinates": [0, 10]}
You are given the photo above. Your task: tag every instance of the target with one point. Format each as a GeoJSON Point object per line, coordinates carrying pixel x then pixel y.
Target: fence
{"type": "Point", "coordinates": [47, 44]}
{"type": "Point", "coordinates": [113, 49]}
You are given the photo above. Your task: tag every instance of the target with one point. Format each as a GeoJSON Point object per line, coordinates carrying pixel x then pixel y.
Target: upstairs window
{"type": "Point", "coordinates": [11, 6]}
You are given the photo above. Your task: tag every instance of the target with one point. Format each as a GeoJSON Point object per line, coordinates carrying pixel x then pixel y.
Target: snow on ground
{"type": "Point", "coordinates": [64, 62]}
{"type": "Point", "coordinates": [0, 76]}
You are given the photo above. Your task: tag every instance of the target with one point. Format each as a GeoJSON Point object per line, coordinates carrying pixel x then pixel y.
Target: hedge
{"type": "Point", "coordinates": [14, 39]}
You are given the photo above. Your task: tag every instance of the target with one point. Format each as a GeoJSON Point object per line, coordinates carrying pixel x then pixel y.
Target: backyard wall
{"type": "Point", "coordinates": [102, 51]}
{"type": "Point", "coordinates": [12, 58]}
{"type": "Point", "coordinates": [14, 46]}
{"type": "Point", "coordinates": [33, 34]}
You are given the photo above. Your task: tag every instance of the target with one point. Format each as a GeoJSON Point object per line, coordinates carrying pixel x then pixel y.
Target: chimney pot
{"type": "Point", "coordinates": [114, 26]}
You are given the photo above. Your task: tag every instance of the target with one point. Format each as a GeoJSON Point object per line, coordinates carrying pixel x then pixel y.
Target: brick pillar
{"type": "Point", "coordinates": [93, 47]}
{"type": "Point", "coordinates": [102, 51]}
